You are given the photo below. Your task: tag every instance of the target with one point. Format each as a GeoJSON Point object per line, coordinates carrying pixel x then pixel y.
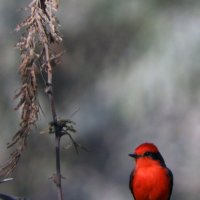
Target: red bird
{"type": "Point", "coordinates": [151, 179]}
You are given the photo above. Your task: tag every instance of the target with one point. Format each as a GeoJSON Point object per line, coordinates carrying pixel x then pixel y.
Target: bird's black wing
{"type": "Point", "coordinates": [130, 182]}
{"type": "Point", "coordinates": [171, 182]}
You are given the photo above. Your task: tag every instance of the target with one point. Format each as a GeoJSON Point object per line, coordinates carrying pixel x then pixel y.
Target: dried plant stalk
{"type": "Point", "coordinates": [40, 30]}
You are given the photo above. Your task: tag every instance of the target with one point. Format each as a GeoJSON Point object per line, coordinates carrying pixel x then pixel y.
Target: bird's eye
{"type": "Point", "coordinates": [148, 153]}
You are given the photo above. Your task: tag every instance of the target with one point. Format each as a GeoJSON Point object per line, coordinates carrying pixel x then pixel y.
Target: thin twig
{"type": "Point", "coordinates": [57, 178]}
{"type": "Point", "coordinates": [58, 171]}
{"type": "Point", "coordinates": [49, 91]}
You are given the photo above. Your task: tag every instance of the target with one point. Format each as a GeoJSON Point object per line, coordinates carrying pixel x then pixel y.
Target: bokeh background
{"type": "Point", "coordinates": [130, 74]}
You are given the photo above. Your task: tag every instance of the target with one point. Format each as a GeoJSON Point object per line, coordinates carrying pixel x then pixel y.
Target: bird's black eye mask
{"type": "Point", "coordinates": [153, 155]}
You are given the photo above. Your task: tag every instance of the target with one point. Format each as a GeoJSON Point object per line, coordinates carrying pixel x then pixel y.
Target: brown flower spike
{"type": "Point", "coordinates": [40, 31]}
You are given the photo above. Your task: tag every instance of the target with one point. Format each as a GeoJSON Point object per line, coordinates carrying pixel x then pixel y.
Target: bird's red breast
{"type": "Point", "coordinates": [151, 179]}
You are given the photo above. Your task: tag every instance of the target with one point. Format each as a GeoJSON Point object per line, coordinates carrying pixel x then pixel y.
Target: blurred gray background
{"type": "Point", "coordinates": [131, 69]}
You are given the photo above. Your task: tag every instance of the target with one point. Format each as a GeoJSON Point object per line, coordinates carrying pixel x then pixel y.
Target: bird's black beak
{"type": "Point", "coordinates": [133, 155]}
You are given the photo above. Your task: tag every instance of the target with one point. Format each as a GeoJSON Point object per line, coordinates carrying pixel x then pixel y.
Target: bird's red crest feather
{"type": "Point", "coordinates": [145, 147]}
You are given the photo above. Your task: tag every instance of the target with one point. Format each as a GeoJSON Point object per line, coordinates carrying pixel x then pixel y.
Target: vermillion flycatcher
{"type": "Point", "coordinates": [151, 179]}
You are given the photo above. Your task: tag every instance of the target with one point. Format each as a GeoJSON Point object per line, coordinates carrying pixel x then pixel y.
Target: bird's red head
{"type": "Point", "coordinates": [147, 150]}
{"type": "Point", "coordinates": [143, 148]}
{"type": "Point", "coordinates": [146, 147]}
